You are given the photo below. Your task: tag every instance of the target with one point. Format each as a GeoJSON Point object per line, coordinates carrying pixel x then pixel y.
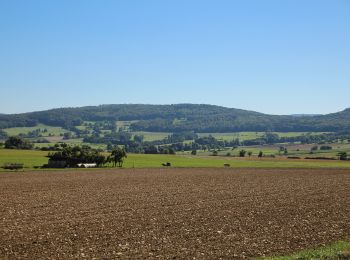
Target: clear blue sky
{"type": "Point", "coordinates": [279, 57]}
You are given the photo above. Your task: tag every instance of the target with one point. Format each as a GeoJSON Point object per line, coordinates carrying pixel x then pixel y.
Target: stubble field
{"type": "Point", "coordinates": [182, 213]}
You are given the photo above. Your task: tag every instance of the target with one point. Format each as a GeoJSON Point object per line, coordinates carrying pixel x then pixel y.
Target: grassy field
{"type": "Point", "coordinates": [235, 152]}
{"type": "Point", "coordinates": [302, 150]}
{"type": "Point", "coordinates": [229, 136]}
{"type": "Point", "coordinates": [77, 141]}
{"type": "Point", "coordinates": [293, 134]}
{"type": "Point", "coordinates": [55, 131]}
{"type": "Point", "coordinates": [243, 136]}
{"type": "Point", "coordinates": [124, 124]}
{"type": "Point", "coordinates": [152, 136]}
{"type": "Point", "coordinates": [27, 157]}
{"type": "Point", "coordinates": [293, 150]}
{"type": "Point", "coordinates": [37, 158]}
{"type": "Point", "coordinates": [338, 250]}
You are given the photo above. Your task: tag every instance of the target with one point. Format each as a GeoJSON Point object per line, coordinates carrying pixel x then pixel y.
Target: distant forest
{"type": "Point", "coordinates": [181, 117]}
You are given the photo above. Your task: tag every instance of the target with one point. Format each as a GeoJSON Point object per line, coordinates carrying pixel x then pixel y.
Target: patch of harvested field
{"type": "Point", "coordinates": [183, 213]}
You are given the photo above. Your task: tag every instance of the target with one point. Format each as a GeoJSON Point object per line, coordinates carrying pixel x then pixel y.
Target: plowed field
{"type": "Point", "coordinates": [182, 213]}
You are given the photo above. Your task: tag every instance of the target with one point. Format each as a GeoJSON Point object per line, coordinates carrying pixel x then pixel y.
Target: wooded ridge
{"type": "Point", "coordinates": [181, 117]}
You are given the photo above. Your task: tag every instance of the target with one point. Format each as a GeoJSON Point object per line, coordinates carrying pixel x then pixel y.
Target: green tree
{"type": "Point", "coordinates": [118, 155]}
{"type": "Point", "coordinates": [138, 138]}
{"type": "Point", "coordinates": [343, 156]}
{"type": "Point", "coordinates": [250, 153]}
{"type": "Point", "coordinates": [67, 135]}
{"type": "Point", "coordinates": [260, 154]}
{"type": "Point", "coordinates": [242, 153]}
{"type": "Point", "coordinates": [326, 147]}
{"type": "Point", "coordinates": [282, 149]}
{"type": "Point", "coordinates": [109, 146]}
{"type": "Point", "coordinates": [314, 148]}
{"type": "Point", "coordinates": [15, 142]}
{"type": "Point", "coordinates": [271, 138]}
{"type": "Point", "coordinates": [194, 152]}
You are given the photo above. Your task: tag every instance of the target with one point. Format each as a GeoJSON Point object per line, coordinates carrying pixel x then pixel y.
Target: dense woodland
{"type": "Point", "coordinates": [179, 118]}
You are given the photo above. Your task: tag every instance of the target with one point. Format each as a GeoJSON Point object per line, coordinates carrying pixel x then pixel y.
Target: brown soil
{"type": "Point", "coordinates": [166, 213]}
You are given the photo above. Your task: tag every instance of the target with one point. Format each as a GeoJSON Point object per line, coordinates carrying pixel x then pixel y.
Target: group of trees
{"type": "Point", "coordinates": [241, 153]}
{"type": "Point", "coordinates": [273, 138]}
{"type": "Point", "coordinates": [34, 133]}
{"type": "Point", "coordinates": [321, 148]}
{"type": "Point", "coordinates": [3, 134]}
{"type": "Point", "coordinates": [73, 155]}
{"type": "Point", "coordinates": [15, 142]}
{"type": "Point", "coordinates": [343, 156]}
{"type": "Point", "coordinates": [115, 138]}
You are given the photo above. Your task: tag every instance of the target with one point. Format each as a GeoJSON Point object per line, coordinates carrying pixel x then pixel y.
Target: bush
{"type": "Point", "coordinates": [314, 148]}
{"type": "Point", "coordinates": [168, 164]}
{"type": "Point", "coordinates": [343, 156]}
{"type": "Point", "coordinates": [13, 166]}
{"type": "Point", "coordinates": [242, 153]}
{"type": "Point", "coordinates": [319, 158]}
{"type": "Point", "coordinates": [326, 147]}
{"type": "Point", "coordinates": [41, 140]}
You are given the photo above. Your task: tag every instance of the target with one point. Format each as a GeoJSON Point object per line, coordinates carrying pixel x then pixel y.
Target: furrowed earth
{"type": "Point", "coordinates": [167, 213]}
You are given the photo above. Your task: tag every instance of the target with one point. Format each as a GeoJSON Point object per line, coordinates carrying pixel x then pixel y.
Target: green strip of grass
{"type": "Point", "coordinates": [155, 161]}
{"type": "Point", "coordinates": [338, 250]}
{"type": "Point", "coordinates": [37, 158]}
{"type": "Point", "coordinates": [29, 158]}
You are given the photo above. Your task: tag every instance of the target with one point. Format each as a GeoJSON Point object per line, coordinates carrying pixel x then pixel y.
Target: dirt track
{"type": "Point", "coordinates": [182, 213]}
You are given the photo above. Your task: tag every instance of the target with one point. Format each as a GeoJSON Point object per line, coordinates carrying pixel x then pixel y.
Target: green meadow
{"type": "Point", "coordinates": [29, 158]}
{"type": "Point", "coordinates": [32, 158]}
{"type": "Point", "coordinates": [243, 136]}
{"type": "Point", "coordinates": [54, 131]}
{"type": "Point", "coordinates": [338, 250]}
{"type": "Point", "coordinates": [152, 136]}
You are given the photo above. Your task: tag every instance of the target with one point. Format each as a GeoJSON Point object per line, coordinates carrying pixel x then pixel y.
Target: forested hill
{"type": "Point", "coordinates": [181, 117]}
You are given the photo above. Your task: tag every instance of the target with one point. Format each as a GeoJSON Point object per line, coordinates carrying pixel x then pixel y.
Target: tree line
{"type": "Point", "coordinates": [74, 155]}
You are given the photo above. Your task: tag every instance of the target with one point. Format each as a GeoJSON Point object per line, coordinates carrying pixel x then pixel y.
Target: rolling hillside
{"type": "Point", "coordinates": [181, 117]}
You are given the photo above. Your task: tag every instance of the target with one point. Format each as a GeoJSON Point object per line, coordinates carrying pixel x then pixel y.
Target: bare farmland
{"type": "Point", "coordinates": [183, 213]}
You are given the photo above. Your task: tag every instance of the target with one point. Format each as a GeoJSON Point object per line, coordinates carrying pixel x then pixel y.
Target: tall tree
{"type": "Point", "coordinates": [118, 155]}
